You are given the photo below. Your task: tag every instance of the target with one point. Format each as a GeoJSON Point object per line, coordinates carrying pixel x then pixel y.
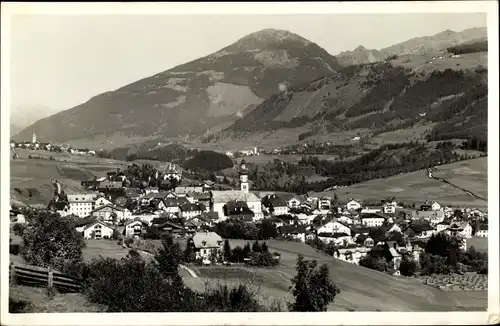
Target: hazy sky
{"type": "Point", "coordinates": [62, 61]}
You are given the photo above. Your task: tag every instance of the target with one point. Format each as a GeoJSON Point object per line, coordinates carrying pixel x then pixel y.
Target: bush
{"type": "Point", "coordinates": [116, 235]}
{"type": "Point", "coordinates": [14, 249]}
{"type": "Point", "coordinates": [408, 267]}
{"type": "Point", "coordinates": [18, 229]}
{"type": "Point", "coordinates": [128, 241]}
{"type": "Point", "coordinates": [50, 240]}
{"type": "Point", "coordinates": [263, 259]}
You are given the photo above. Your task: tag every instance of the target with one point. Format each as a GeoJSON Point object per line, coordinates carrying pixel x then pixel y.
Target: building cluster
{"type": "Point", "coordinates": [34, 144]}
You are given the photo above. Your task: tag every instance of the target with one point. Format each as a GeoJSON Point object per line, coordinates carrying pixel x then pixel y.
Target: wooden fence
{"type": "Point", "coordinates": [45, 277]}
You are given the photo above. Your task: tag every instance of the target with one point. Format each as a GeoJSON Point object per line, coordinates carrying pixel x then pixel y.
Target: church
{"type": "Point", "coordinates": [220, 199]}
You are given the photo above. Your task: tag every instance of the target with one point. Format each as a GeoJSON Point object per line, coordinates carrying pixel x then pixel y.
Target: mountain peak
{"type": "Point", "coordinates": [447, 32]}
{"type": "Point", "coordinates": [266, 38]}
{"type": "Point", "coordinates": [360, 49]}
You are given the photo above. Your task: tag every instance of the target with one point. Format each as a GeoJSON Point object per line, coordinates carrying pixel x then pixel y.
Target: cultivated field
{"type": "Point", "coordinates": [30, 178]}
{"type": "Point", "coordinates": [471, 175]}
{"type": "Point", "coordinates": [465, 61]}
{"type": "Point", "coordinates": [418, 187]}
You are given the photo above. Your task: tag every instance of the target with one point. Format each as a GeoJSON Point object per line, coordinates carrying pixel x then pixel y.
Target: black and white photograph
{"type": "Point", "coordinates": [285, 158]}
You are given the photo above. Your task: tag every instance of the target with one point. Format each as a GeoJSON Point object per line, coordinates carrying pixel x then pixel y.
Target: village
{"type": "Point", "coordinates": [109, 207]}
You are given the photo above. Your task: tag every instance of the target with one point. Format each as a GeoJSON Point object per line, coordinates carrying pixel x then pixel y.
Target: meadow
{"type": "Point", "coordinates": [480, 244]}
{"type": "Point", "coordinates": [417, 187]}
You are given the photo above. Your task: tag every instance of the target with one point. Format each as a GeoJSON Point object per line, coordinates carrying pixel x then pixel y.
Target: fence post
{"type": "Point", "coordinates": [51, 278]}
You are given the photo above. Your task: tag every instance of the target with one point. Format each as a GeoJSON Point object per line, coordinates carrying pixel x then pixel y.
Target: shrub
{"type": "Point", "coordinates": [408, 267]}
{"type": "Point", "coordinates": [116, 235]}
{"type": "Point", "coordinates": [14, 249]}
{"type": "Point", "coordinates": [128, 241]}
{"type": "Point", "coordinates": [263, 259]}
{"type": "Point", "coordinates": [50, 240]}
{"type": "Point", "coordinates": [18, 229]}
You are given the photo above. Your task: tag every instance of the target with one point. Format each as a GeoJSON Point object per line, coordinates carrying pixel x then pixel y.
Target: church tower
{"type": "Point", "coordinates": [33, 139]}
{"type": "Point", "coordinates": [244, 187]}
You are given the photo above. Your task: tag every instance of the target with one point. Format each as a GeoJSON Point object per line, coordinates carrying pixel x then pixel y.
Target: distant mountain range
{"type": "Point", "coordinates": [249, 79]}
{"type": "Point", "coordinates": [414, 46]}
{"type": "Point", "coordinates": [24, 116]}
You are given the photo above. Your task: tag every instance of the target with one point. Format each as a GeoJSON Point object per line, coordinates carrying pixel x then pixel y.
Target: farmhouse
{"type": "Point", "coordinates": [135, 227]}
{"type": "Point", "coordinates": [239, 211]}
{"type": "Point", "coordinates": [207, 244]}
{"type": "Point", "coordinates": [81, 205]}
{"type": "Point", "coordinates": [98, 230]}
{"type": "Point", "coordinates": [353, 205]}
{"type": "Point", "coordinates": [102, 201]}
{"type": "Point", "coordinates": [191, 210]}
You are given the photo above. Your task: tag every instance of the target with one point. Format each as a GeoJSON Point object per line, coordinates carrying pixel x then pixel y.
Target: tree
{"type": "Point", "coordinates": [442, 245]}
{"type": "Point", "coordinates": [51, 240]}
{"type": "Point", "coordinates": [168, 257]}
{"type": "Point", "coordinates": [408, 267]}
{"type": "Point", "coordinates": [256, 246]}
{"type": "Point", "coordinates": [311, 287]}
{"type": "Point", "coordinates": [114, 218]}
{"type": "Point", "coordinates": [189, 255]}
{"type": "Point", "coordinates": [247, 250]}
{"type": "Point", "coordinates": [227, 250]}
{"type": "Point", "coordinates": [267, 230]}
{"type": "Point", "coordinates": [264, 247]}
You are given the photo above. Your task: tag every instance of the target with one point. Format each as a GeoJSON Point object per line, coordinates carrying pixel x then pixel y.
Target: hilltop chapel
{"type": "Point", "coordinates": [241, 199]}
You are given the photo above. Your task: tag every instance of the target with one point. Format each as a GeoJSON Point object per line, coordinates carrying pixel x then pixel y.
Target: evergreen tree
{"type": "Point", "coordinates": [247, 251]}
{"type": "Point", "coordinates": [256, 246]}
{"type": "Point", "coordinates": [264, 247]}
{"type": "Point", "coordinates": [227, 250]}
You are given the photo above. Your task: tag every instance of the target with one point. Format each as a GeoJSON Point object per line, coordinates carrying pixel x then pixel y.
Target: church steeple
{"type": "Point", "coordinates": [33, 139]}
{"type": "Point", "coordinates": [244, 187]}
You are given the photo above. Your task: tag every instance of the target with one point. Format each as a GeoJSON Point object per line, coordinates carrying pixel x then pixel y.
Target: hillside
{"type": "Point", "coordinates": [194, 97]}
{"type": "Point", "coordinates": [414, 46]}
{"type": "Point", "coordinates": [362, 289]}
{"type": "Point", "coordinates": [374, 99]}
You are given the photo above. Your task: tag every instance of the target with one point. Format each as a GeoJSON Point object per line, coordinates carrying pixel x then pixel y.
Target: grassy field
{"type": "Point", "coordinates": [471, 175]}
{"type": "Point", "coordinates": [401, 136]}
{"type": "Point", "coordinates": [292, 158]}
{"type": "Point", "coordinates": [480, 244]}
{"type": "Point", "coordinates": [362, 289]}
{"type": "Point", "coordinates": [417, 187]}
{"type": "Point", "coordinates": [32, 177]}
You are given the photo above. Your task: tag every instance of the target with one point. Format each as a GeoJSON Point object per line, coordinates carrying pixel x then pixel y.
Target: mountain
{"type": "Point", "coordinates": [23, 116]}
{"type": "Point", "coordinates": [373, 99]}
{"type": "Point", "coordinates": [360, 55]}
{"type": "Point", "coordinates": [440, 41]}
{"type": "Point", "coordinates": [14, 129]}
{"type": "Point", "coordinates": [198, 96]}
{"type": "Point", "coordinates": [414, 46]}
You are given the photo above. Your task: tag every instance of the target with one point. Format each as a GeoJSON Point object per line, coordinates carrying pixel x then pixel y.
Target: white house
{"type": "Point", "coordinates": [81, 205]}
{"type": "Point", "coordinates": [389, 207]}
{"type": "Point", "coordinates": [482, 231]}
{"type": "Point", "coordinates": [466, 230]}
{"type": "Point", "coordinates": [353, 205]}
{"type": "Point", "coordinates": [351, 255]}
{"type": "Point", "coordinates": [371, 210]}
{"type": "Point", "coordinates": [394, 228]}
{"type": "Point", "coordinates": [372, 220]}
{"type": "Point", "coordinates": [146, 217]}
{"type": "Point", "coordinates": [102, 201]}
{"type": "Point", "coordinates": [334, 227]}
{"type": "Point", "coordinates": [135, 227]}
{"type": "Point", "coordinates": [346, 219]}
{"type": "Point", "coordinates": [104, 213]}
{"type": "Point", "coordinates": [324, 203]}
{"type": "Point", "coordinates": [442, 226]}
{"type": "Point", "coordinates": [436, 206]}
{"type": "Point", "coordinates": [206, 243]}
{"type": "Point", "coordinates": [191, 210]}
{"type": "Point", "coordinates": [97, 230]}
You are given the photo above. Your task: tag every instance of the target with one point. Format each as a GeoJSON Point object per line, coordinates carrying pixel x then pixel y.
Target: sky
{"type": "Point", "coordinates": [59, 61]}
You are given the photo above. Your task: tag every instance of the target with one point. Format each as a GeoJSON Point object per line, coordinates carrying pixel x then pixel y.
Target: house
{"type": "Point", "coordinates": [466, 230]}
{"type": "Point", "coordinates": [338, 239]}
{"type": "Point", "coordinates": [107, 185]}
{"type": "Point", "coordinates": [436, 206]}
{"type": "Point", "coordinates": [151, 190]}
{"type": "Point", "coordinates": [145, 215]}
{"type": "Point", "coordinates": [434, 217]}
{"type": "Point", "coordinates": [372, 220]}
{"type": "Point", "coordinates": [171, 228]}
{"type": "Point", "coordinates": [207, 244]}
{"type": "Point", "coordinates": [200, 221]}
{"type": "Point", "coordinates": [239, 210]}
{"type": "Point", "coordinates": [81, 205]}
{"type": "Point", "coordinates": [353, 205]}
{"type": "Point", "coordinates": [98, 230]}
{"type": "Point", "coordinates": [135, 227]}
{"type": "Point", "coordinates": [171, 205]}
{"type": "Point", "coordinates": [295, 232]}
{"type": "Point", "coordinates": [419, 230]}
{"type": "Point", "coordinates": [389, 206]}
{"type": "Point", "coordinates": [105, 213]}
{"type": "Point", "coordinates": [442, 226]}
{"type": "Point", "coordinates": [333, 227]}
{"type": "Point", "coordinates": [287, 219]}
{"type": "Point", "coordinates": [187, 190]}
{"type": "Point", "coordinates": [80, 224]}
{"type": "Point", "coordinates": [324, 203]}
{"type": "Point", "coordinates": [275, 204]}
{"type": "Point", "coordinates": [351, 254]}
{"type": "Point", "coordinates": [392, 227]}
{"type": "Point", "coordinates": [291, 200]}
{"type": "Point", "coordinates": [346, 219]}
{"type": "Point", "coordinates": [482, 231]}
{"type": "Point", "coordinates": [133, 194]}
{"type": "Point", "coordinates": [395, 259]}
{"type": "Point", "coordinates": [191, 210]}
{"type": "Point", "coordinates": [172, 171]}
{"type": "Point", "coordinates": [102, 201]}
